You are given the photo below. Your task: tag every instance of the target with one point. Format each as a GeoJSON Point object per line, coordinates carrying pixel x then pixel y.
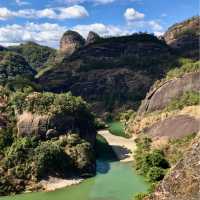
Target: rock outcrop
{"type": "Point", "coordinates": [184, 36]}
{"type": "Point", "coordinates": [70, 42]}
{"type": "Point", "coordinates": [111, 71]}
{"type": "Point", "coordinates": [174, 127]}
{"type": "Point", "coordinates": [158, 98]}
{"type": "Point", "coordinates": [92, 38]}
{"type": "Point", "coordinates": [183, 181]}
{"type": "Point", "coordinates": [46, 126]}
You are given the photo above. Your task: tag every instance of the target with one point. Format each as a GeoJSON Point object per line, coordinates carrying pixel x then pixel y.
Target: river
{"type": "Point", "coordinates": [114, 181]}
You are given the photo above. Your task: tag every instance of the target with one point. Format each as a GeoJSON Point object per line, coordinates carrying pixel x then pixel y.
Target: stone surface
{"type": "Point", "coordinates": [92, 38]}
{"type": "Point", "coordinates": [110, 71]}
{"type": "Point", "coordinates": [47, 127]}
{"type": "Point", "coordinates": [158, 98]}
{"type": "Point", "coordinates": [70, 42]}
{"type": "Point", "coordinates": [185, 36]}
{"type": "Point", "coordinates": [174, 127]}
{"type": "Point", "coordinates": [183, 180]}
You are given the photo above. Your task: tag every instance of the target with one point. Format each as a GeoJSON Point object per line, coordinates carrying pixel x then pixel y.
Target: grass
{"type": "Point", "coordinates": [117, 128]}
{"type": "Point", "coordinates": [103, 150]}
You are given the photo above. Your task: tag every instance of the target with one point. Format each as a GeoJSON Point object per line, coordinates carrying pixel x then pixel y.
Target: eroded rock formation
{"type": "Point", "coordinates": [70, 42]}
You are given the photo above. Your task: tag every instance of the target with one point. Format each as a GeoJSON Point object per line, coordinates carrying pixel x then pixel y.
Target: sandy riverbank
{"type": "Point", "coordinates": [123, 147]}
{"type": "Point", "coordinates": [53, 183]}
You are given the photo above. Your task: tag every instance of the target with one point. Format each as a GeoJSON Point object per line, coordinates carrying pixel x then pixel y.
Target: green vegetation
{"type": "Point", "coordinates": [189, 98]}
{"type": "Point", "coordinates": [151, 164]}
{"type": "Point", "coordinates": [13, 65]}
{"type": "Point", "coordinates": [176, 148]}
{"type": "Point", "coordinates": [32, 158]}
{"type": "Point", "coordinates": [188, 66]}
{"type": "Point", "coordinates": [35, 54]}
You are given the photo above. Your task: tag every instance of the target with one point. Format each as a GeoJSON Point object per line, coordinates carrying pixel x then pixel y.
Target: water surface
{"type": "Point", "coordinates": [114, 181]}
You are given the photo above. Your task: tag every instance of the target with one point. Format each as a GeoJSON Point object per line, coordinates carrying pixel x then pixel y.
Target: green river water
{"type": "Point", "coordinates": [114, 181]}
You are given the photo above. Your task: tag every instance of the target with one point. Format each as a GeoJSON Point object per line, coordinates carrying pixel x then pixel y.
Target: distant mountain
{"type": "Point", "coordinates": [36, 55]}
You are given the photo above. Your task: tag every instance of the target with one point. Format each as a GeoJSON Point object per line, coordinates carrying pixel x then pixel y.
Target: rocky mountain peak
{"type": "Point", "coordinates": [184, 36]}
{"type": "Point", "coordinates": [92, 37]}
{"type": "Point", "coordinates": [70, 42]}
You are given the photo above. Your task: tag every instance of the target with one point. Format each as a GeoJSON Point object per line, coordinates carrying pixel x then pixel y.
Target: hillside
{"type": "Point", "coordinates": [184, 37]}
{"type": "Point", "coordinates": [111, 72]}
{"type": "Point", "coordinates": [36, 55]}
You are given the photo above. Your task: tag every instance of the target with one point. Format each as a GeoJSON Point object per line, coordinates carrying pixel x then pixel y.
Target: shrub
{"type": "Point", "coordinates": [189, 98]}
{"type": "Point", "coordinates": [155, 174]}
{"type": "Point", "coordinates": [50, 157]}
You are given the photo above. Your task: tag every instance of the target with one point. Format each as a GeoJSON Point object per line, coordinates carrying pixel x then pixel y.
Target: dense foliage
{"type": "Point", "coordinates": [36, 55]}
{"type": "Point", "coordinates": [13, 65]}
{"type": "Point", "coordinates": [151, 164]}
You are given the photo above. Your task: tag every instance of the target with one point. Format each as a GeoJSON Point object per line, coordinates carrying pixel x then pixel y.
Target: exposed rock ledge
{"type": "Point", "coordinates": [158, 98]}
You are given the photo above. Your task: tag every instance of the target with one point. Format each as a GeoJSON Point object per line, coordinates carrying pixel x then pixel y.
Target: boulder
{"type": "Point", "coordinates": [174, 127]}
{"type": "Point", "coordinates": [158, 98]}
{"type": "Point", "coordinates": [92, 38]}
{"type": "Point", "coordinates": [70, 42]}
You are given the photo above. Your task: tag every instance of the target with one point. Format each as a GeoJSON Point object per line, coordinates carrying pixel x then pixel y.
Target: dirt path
{"type": "Point", "coordinates": [123, 147]}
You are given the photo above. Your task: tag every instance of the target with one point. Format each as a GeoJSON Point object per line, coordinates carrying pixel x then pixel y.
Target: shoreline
{"type": "Point", "coordinates": [123, 147]}
{"type": "Point", "coordinates": [54, 183]}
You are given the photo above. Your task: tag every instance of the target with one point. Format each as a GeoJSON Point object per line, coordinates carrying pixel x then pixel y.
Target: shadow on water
{"type": "Point", "coordinates": [122, 152]}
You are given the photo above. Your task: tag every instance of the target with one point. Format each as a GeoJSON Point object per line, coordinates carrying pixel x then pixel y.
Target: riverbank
{"type": "Point", "coordinates": [123, 147]}
{"type": "Point", "coordinates": [54, 183]}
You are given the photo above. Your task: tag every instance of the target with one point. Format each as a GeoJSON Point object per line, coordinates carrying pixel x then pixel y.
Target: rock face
{"type": "Point", "coordinates": [111, 71]}
{"type": "Point", "coordinates": [92, 38]}
{"type": "Point", "coordinates": [185, 36]}
{"type": "Point", "coordinates": [47, 127]}
{"type": "Point", "coordinates": [70, 42]}
{"type": "Point", "coordinates": [174, 127]}
{"type": "Point", "coordinates": [158, 98]}
{"type": "Point", "coordinates": [183, 181]}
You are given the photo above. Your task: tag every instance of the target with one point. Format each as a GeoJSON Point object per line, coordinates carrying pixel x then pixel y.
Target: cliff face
{"type": "Point", "coordinates": [111, 71]}
{"type": "Point", "coordinates": [184, 36]}
{"type": "Point", "coordinates": [70, 42]}
{"type": "Point", "coordinates": [183, 181]}
{"type": "Point", "coordinates": [158, 98]}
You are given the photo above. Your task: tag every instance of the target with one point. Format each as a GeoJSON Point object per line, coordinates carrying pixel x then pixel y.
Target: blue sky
{"type": "Point", "coordinates": [44, 21]}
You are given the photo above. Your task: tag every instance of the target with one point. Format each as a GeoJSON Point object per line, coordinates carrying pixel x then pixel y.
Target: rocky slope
{"type": "Point", "coordinates": [111, 71]}
{"type": "Point", "coordinates": [183, 180]}
{"type": "Point", "coordinates": [184, 36]}
{"type": "Point", "coordinates": [158, 98]}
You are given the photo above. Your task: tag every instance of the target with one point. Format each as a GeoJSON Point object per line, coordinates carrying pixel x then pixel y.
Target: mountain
{"type": "Point", "coordinates": [111, 71]}
{"type": "Point", "coordinates": [36, 55]}
{"type": "Point", "coordinates": [13, 66]}
{"type": "Point", "coordinates": [184, 37]}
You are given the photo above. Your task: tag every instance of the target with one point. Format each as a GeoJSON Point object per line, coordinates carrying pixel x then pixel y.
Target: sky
{"type": "Point", "coordinates": [44, 21]}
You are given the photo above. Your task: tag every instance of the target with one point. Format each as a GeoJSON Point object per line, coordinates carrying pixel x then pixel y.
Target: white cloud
{"type": "Point", "coordinates": [5, 13]}
{"type": "Point", "coordinates": [90, 1]}
{"type": "Point", "coordinates": [46, 34]}
{"type": "Point", "coordinates": [50, 34]}
{"type": "Point", "coordinates": [154, 25]}
{"type": "Point", "coordinates": [21, 3]}
{"type": "Point", "coordinates": [131, 15]}
{"type": "Point", "coordinates": [72, 12]}
{"type": "Point", "coordinates": [101, 29]}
